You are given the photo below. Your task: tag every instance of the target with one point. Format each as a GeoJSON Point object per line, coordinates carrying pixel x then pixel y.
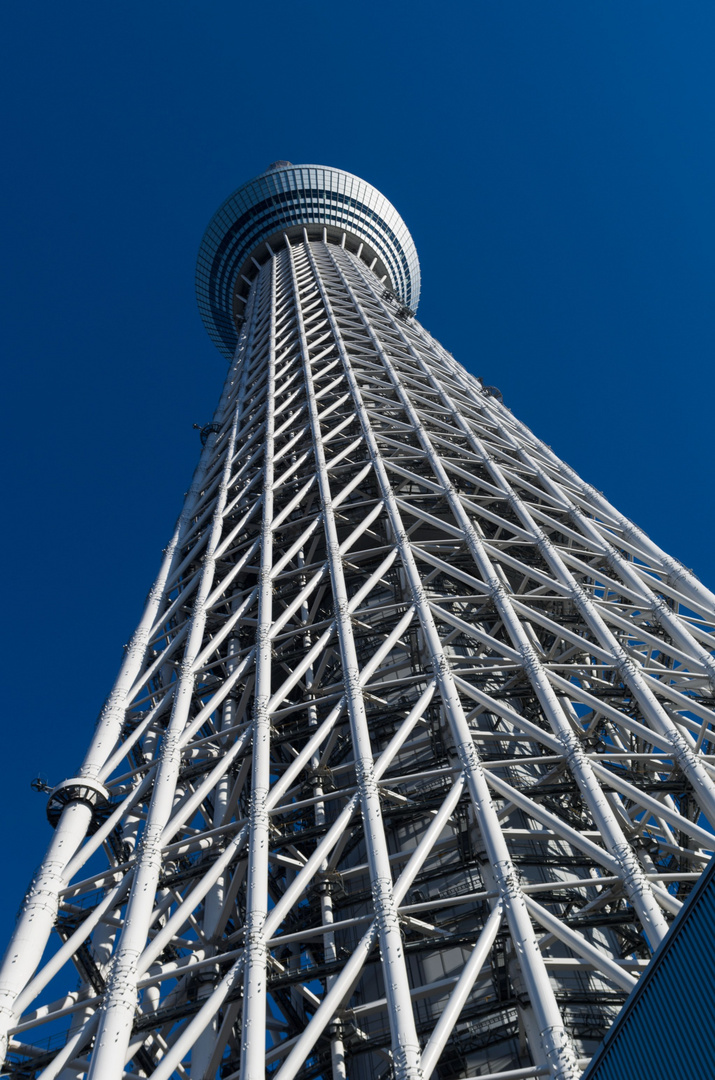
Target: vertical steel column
{"type": "Point", "coordinates": [337, 1048]}
{"type": "Point", "coordinates": [405, 1044]}
{"type": "Point", "coordinates": [202, 1053]}
{"type": "Point", "coordinates": [256, 952]}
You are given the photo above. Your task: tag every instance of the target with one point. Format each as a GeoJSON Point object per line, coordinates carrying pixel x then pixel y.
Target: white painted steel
{"type": "Point", "coordinates": [409, 762]}
{"type": "Point", "coordinates": [405, 1043]}
{"type": "Point", "coordinates": [555, 1043]}
{"type": "Point", "coordinates": [457, 1000]}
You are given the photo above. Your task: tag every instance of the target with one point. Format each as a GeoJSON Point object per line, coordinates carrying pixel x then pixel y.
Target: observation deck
{"type": "Point", "coordinates": [284, 200]}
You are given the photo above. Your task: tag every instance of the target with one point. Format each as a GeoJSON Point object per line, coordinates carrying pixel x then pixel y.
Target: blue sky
{"type": "Point", "coordinates": [554, 162]}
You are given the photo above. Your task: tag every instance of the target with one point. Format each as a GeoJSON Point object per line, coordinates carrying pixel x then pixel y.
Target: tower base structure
{"type": "Point", "coordinates": [408, 765]}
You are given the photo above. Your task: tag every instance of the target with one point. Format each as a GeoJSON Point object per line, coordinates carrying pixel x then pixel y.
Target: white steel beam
{"type": "Point", "coordinates": [413, 740]}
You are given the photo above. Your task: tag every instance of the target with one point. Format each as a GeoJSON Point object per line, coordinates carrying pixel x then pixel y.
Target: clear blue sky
{"type": "Point", "coordinates": [554, 162]}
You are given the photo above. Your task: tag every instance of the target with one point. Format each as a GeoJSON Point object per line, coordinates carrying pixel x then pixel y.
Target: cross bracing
{"type": "Point", "coordinates": [408, 765]}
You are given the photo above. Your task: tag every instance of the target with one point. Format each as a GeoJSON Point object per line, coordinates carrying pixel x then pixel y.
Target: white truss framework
{"type": "Point", "coordinates": [408, 765]}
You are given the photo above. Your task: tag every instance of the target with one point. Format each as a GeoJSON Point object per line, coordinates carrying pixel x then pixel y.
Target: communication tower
{"type": "Point", "coordinates": [408, 765]}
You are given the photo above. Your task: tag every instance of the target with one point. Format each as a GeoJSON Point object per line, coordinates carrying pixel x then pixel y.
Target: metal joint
{"type": "Point", "coordinates": [78, 790]}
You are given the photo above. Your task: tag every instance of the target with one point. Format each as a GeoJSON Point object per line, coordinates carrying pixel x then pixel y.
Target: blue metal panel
{"type": "Point", "coordinates": [665, 1029]}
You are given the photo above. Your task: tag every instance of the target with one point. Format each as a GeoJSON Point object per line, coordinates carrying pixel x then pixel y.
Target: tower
{"type": "Point", "coordinates": [407, 767]}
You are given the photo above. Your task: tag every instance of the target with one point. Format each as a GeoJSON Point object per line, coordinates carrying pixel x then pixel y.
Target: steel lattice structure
{"type": "Point", "coordinates": [408, 764]}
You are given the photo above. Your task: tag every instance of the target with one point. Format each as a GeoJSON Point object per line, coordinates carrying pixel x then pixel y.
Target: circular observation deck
{"type": "Point", "coordinates": [284, 200]}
